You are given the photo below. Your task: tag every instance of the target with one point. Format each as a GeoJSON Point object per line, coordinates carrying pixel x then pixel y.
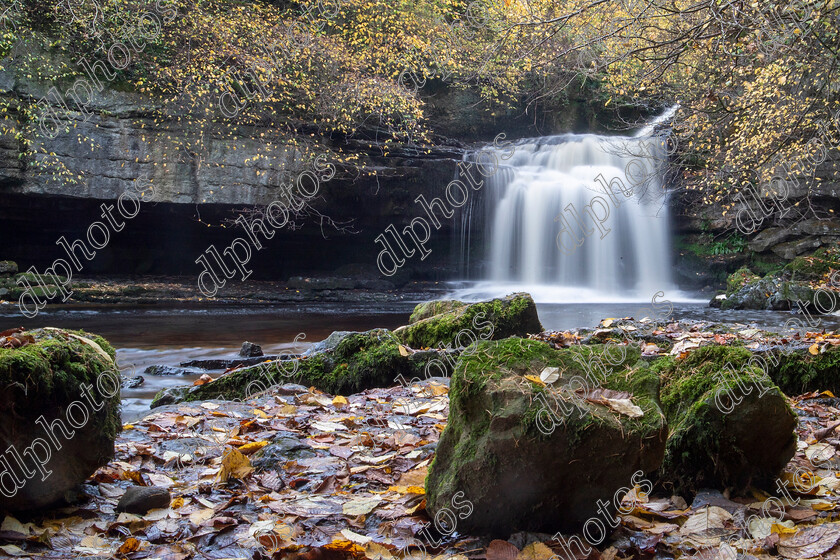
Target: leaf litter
{"type": "Point", "coordinates": [348, 480]}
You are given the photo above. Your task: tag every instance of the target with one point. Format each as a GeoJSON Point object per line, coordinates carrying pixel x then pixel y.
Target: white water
{"type": "Point", "coordinates": [616, 244]}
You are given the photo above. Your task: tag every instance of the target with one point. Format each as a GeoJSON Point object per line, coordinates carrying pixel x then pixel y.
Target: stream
{"type": "Point", "coordinates": [145, 337]}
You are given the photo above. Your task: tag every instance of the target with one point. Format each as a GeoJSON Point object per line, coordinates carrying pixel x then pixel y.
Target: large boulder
{"type": "Point", "coordinates": [799, 371]}
{"type": "Point", "coordinates": [731, 426]}
{"type": "Point", "coordinates": [59, 400]}
{"type": "Point", "coordinates": [535, 458]}
{"type": "Point", "coordinates": [461, 324]}
{"type": "Point", "coordinates": [346, 363]}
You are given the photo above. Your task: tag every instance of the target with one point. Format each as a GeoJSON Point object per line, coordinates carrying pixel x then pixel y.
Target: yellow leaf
{"type": "Point", "coordinates": [339, 401]}
{"type": "Point", "coordinates": [814, 349]}
{"type": "Point", "coordinates": [828, 394]}
{"type": "Point", "coordinates": [234, 465]}
{"type": "Point", "coordinates": [407, 489]}
{"type": "Point", "coordinates": [177, 502]}
{"type": "Point", "coordinates": [535, 379]}
{"type": "Point", "coordinates": [403, 351]}
{"type": "Point", "coordinates": [535, 551]}
{"type": "Point", "coordinates": [259, 413]}
{"type": "Point", "coordinates": [251, 447]}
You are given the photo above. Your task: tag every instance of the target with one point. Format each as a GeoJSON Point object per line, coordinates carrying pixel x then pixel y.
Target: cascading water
{"type": "Point", "coordinates": [579, 217]}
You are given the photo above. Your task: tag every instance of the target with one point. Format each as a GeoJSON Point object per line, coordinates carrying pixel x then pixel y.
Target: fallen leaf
{"type": "Point", "coordinates": [234, 465]}
{"type": "Point", "coordinates": [535, 551]}
{"type": "Point", "coordinates": [130, 545]}
{"type": "Point", "coordinates": [535, 379]}
{"type": "Point", "coordinates": [360, 506]}
{"type": "Point", "coordinates": [252, 447]}
{"type": "Point", "coordinates": [549, 375]}
{"type": "Point", "coordinates": [809, 542]}
{"type": "Point", "coordinates": [501, 550]}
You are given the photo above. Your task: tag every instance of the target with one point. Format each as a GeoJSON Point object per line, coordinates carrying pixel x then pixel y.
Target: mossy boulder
{"type": "Point", "coordinates": [731, 426]}
{"type": "Point", "coordinates": [739, 279]}
{"type": "Point", "coordinates": [432, 308]}
{"type": "Point", "coordinates": [513, 315]}
{"type": "Point", "coordinates": [8, 267]}
{"type": "Point", "coordinates": [799, 371]}
{"type": "Point", "coordinates": [352, 362]}
{"type": "Point", "coordinates": [60, 403]}
{"type": "Point", "coordinates": [536, 458]}
{"type": "Point", "coordinates": [815, 266]}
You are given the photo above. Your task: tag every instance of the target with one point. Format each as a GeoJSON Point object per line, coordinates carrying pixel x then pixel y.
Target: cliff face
{"type": "Point", "coordinates": [205, 173]}
{"type": "Point", "coordinates": [769, 225]}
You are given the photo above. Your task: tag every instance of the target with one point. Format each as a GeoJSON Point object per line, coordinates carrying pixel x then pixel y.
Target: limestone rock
{"type": "Point", "coordinates": [514, 315]}
{"type": "Point", "coordinates": [538, 459]}
{"type": "Point", "coordinates": [59, 400]}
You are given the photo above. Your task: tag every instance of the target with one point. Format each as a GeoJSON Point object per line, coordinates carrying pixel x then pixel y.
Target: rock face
{"type": "Point", "coordinates": [460, 324]}
{"type": "Point", "coordinates": [730, 424]}
{"type": "Point", "coordinates": [59, 399]}
{"type": "Point", "coordinates": [539, 459]}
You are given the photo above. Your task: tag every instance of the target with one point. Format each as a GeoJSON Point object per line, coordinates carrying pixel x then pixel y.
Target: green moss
{"type": "Point", "coordinates": [360, 361]}
{"type": "Point", "coordinates": [432, 308]}
{"type": "Point", "coordinates": [800, 372]}
{"type": "Point", "coordinates": [815, 266]}
{"type": "Point", "coordinates": [714, 411]}
{"type": "Point", "coordinates": [515, 315]}
{"type": "Point", "coordinates": [739, 279]}
{"type": "Point", "coordinates": [51, 371]}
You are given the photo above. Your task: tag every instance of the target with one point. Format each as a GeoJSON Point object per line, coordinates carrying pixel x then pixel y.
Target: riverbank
{"type": "Point", "coordinates": [301, 474]}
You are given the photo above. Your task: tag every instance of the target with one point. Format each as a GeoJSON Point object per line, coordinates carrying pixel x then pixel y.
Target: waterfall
{"type": "Point", "coordinates": [579, 217]}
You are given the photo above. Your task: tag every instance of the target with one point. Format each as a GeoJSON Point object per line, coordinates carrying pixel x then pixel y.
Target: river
{"type": "Point", "coordinates": [145, 337]}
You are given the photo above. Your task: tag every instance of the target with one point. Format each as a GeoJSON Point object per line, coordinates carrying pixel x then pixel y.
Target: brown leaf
{"type": "Point", "coordinates": [271, 480]}
{"type": "Point", "coordinates": [809, 542]}
{"type": "Point", "coordinates": [501, 550]}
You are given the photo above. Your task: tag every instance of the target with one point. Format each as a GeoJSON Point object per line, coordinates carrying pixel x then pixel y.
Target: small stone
{"type": "Point", "coordinates": [134, 382]}
{"type": "Point", "coordinates": [250, 350]}
{"type": "Point", "coordinates": [141, 499]}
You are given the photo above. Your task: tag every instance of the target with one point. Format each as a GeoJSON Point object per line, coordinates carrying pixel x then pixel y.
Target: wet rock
{"type": "Point", "coordinates": [283, 447]}
{"type": "Point", "coordinates": [223, 363]}
{"type": "Point", "coordinates": [170, 370]}
{"type": "Point", "coordinates": [59, 400]}
{"type": "Point", "coordinates": [250, 350]}
{"type": "Point", "coordinates": [432, 308]}
{"type": "Point", "coordinates": [326, 283]}
{"type": "Point", "coordinates": [328, 343]}
{"type": "Point", "coordinates": [730, 424]}
{"type": "Point", "coordinates": [170, 395]}
{"type": "Point", "coordinates": [8, 267]}
{"type": "Point", "coordinates": [755, 295]}
{"type": "Point", "coordinates": [514, 315]}
{"type": "Point", "coordinates": [141, 499]}
{"type": "Point", "coordinates": [539, 459]}
{"type": "Point", "coordinates": [347, 362]}
{"type": "Point", "coordinates": [133, 382]}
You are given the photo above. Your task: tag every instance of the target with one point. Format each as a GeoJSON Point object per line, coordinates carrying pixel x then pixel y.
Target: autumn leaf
{"type": "Point", "coordinates": [234, 465]}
